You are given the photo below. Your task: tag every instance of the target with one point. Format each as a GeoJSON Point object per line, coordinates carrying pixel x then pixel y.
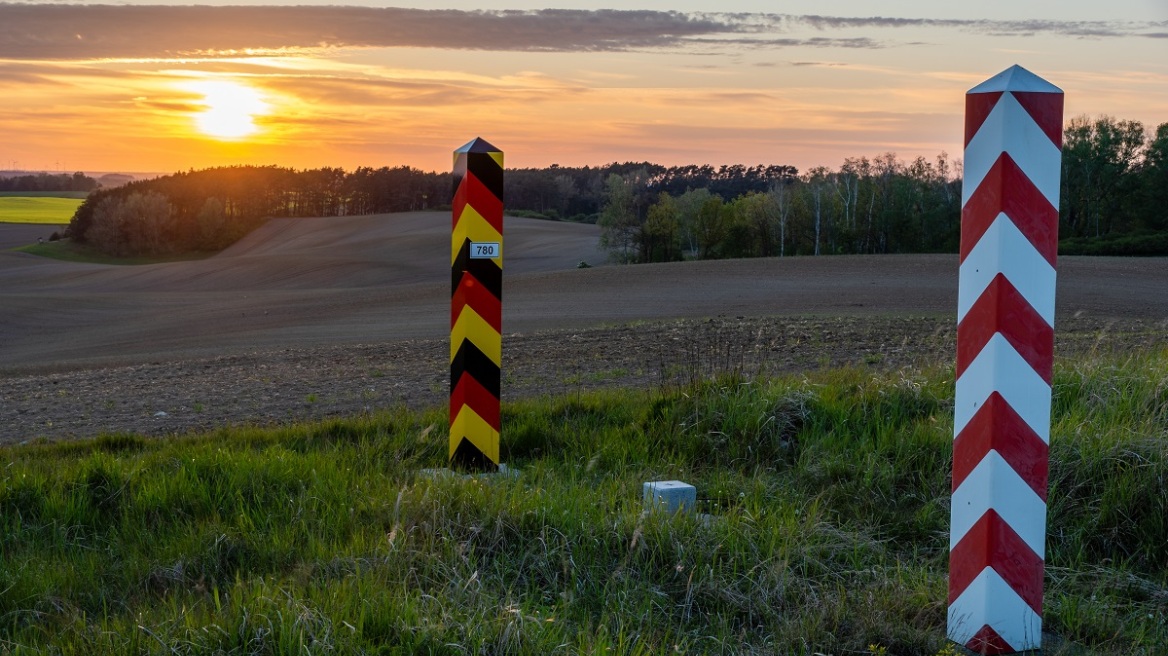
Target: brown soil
{"type": "Point", "coordinates": [319, 318]}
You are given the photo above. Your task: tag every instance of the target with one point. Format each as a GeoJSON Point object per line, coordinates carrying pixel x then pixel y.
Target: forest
{"type": "Point", "coordinates": [211, 209]}
{"type": "Point", "coordinates": [47, 182]}
{"type": "Point", "coordinates": [1113, 201]}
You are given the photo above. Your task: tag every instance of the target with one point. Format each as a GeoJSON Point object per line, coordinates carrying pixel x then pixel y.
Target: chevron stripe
{"type": "Point", "coordinates": [1002, 310]}
{"type": "Point", "coordinates": [1046, 108]}
{"type": "Point", "coordinates": [1043, 100]}
{"type": "Point", "coordinates": [489, 171]}
{"type": "Point", "coordinates": [470, 327]}
{"type": "Point", "coordinates": [994, 485]}
{"type": "Point", "coordinates": [990, 602]}
{"type": "Point", "coordinates": [470, 393]}
{"type": "Point", "coordinates": [1010, 128]}
{"type": "Point", "coordinates": [472, 293]}
{"type": "Point", "coordinates": [486, 272]}
{"type": "Point", "coordinates": [1004, 249]}
{"type": "Point", "coordinates": [471, 226]}
{"type": "Point", "coordinates": [997, 427]}
{"type": "Point", "coordinates": [470, 361]}
{"type": "Point", "coordinates": [991, 542]}
{"type": "Point", "coordinates": [1007, 190]}
{"type": "Point", "coordinates": [468, 426]}
{"type": "Point", "coordinates": [977, 107]}
{"type": "Point", "coordinates": [988, 642]}
{"type": "Point", "coordinates": [484, 161]}
{"type": "Point", "coordinates": [999, 368]}
{"type": "Point", "coordinates": [473, 192]}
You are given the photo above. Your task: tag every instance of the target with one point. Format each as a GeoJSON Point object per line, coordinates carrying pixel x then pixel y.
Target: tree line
{"type": "Point", "coordinates": [208, 210]}
{"type": "Point", "coordinates": [878, 205]}
{"type": "Point", "coordinates": [48, 182]}
{"type": "Point", "coordinates": [211, 209]}
{"type": "Point", "coordinates": [1114, 188]}
{"type": "Point", "coordinates": [580, 193]}
{"type": "Point", "coordinates": [1113, 199]}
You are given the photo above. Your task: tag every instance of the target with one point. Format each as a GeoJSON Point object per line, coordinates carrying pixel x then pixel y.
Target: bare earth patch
{"type": "Point", "coordinates": [312, 319]}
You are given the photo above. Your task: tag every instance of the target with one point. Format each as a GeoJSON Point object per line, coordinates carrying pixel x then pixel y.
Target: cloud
{"type": "Point", "coordinates": [352, 91]}
{"type": "Point", "coordinates": [103, 31]}
{"type": "Point", "coordinates": [781, 42]}
{"type": "Point", "coordinates": [24, 78]}
{"type": "Point", "coordinates": [989, 27]}
{"type": "Point", "coordinates": [81, 32]}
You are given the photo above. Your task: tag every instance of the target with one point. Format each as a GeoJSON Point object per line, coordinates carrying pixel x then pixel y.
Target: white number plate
{"type": "Point", "coordinates": [485, 250]}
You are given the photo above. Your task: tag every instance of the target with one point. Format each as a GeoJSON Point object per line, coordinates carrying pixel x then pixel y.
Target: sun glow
{"type": "Point", "coordinates": [231, 109]}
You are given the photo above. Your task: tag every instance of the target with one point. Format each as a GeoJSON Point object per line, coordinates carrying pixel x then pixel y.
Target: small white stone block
{"type": "Point", "coordinates": [669, 496]}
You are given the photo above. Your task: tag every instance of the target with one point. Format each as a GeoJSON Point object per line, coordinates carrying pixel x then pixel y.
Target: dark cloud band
{"type": "Point", "coordinates": [95, 31]}
{"type": "Point", "coordinates": [994, 27]}
{"type": "Point", "coordinates": [60, 32]}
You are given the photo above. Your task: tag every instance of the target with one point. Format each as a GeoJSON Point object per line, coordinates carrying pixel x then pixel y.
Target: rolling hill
{"type": "Point", "coordinates": [373, 279]}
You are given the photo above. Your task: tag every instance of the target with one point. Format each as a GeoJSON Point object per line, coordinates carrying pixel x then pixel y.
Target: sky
{"type": "Point", "coordinates": [154, 87]}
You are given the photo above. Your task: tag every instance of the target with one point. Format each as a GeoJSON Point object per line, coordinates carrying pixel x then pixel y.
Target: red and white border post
{"type": "Point", "coordinates": [1005, 351]}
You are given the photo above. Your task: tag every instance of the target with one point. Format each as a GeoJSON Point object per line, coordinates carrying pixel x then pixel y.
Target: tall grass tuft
{"type": "Point", "coordinates": [826, 530]}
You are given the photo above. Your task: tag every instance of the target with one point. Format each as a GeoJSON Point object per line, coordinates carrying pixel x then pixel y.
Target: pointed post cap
{"type": "Point", "coordinates": [478, 145]}
{"type": "Point", "coordinates": [1015, 78]}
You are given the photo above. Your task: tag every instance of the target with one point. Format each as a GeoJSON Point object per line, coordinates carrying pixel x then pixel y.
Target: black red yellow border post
{"type": "Point", "coordinates": [476, 309]}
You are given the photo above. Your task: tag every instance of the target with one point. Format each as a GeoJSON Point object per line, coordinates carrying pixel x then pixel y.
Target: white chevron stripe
{"type": "Point", "coordinates": [990, 600]}
{"type": "Point", "coordinates": [1004, 249]}
{"type": "Point", "coordinates": [999, 368]}
{"type": "Point", "coordinates": [1009, 128]}
{"type": "Point", "coordinates": [994, 484]}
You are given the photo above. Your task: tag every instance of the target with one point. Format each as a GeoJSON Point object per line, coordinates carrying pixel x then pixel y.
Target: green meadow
{"type": "Point", "coordinates": [825, 495]}
{"type": "Point", "coordinates": [26, 208]}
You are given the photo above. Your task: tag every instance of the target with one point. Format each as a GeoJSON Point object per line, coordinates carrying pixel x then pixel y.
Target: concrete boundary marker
{"type": "Point", "coordinates": [476, 307]}
{"type": "Point", "coordinates": [1005, 351]}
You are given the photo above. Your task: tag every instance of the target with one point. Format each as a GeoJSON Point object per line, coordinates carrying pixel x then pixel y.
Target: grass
{"type": "Point", "coordinates": [831, 494]}
{"type": "Point", "coordinates": [70, 251]}
{"type": "Point", "coordinates": [37, 209]}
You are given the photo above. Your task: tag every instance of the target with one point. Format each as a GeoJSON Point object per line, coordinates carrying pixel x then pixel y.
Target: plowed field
{"type": "Point", "coordinates": [311, 318]}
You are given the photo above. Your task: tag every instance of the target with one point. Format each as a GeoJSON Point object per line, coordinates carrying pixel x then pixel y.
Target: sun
{"type": "Point", "coordinates": [231, 109]}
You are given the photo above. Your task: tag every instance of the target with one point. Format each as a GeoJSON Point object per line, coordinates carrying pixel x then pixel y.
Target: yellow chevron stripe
{"type": "Point", "coordinates": [471, 225]}
{"type": "Point", "coordinates": [498, 157]}
{"type": "Point", "coordinates": [468, 424]}
{"type": "Point", "coordinates": [473, 327]}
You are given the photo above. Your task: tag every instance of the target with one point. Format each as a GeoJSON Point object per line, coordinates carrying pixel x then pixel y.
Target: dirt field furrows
{"type": "Point", "coordinates": [328, 317]}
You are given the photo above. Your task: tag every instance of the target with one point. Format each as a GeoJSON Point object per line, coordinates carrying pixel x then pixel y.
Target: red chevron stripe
{"type": "Point", "coordinates": [474, 193]}
{"type": "Point", "coordinates": [469, 392]}
{"type": "Point", "coordinates": [1047, 111]}
{"type": "Point", "coordinates": [992, 543]}
{"type": "Point", "coordinates": [1001, 308]}
{"type": "Point", "coordinates": [988, 643]}
{"type": "Point", "coordinates": [998, 427]}
{"type": "Point", "coordinates": [1007, 189]}
{"type": "Point", "coordinates": [475, 294]}
{"type": "Point", "coordinates": [977, 107]}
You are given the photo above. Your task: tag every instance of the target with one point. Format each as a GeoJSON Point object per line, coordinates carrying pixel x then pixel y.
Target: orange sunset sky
{"type": "Point", "coordinates": [158, 88]}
